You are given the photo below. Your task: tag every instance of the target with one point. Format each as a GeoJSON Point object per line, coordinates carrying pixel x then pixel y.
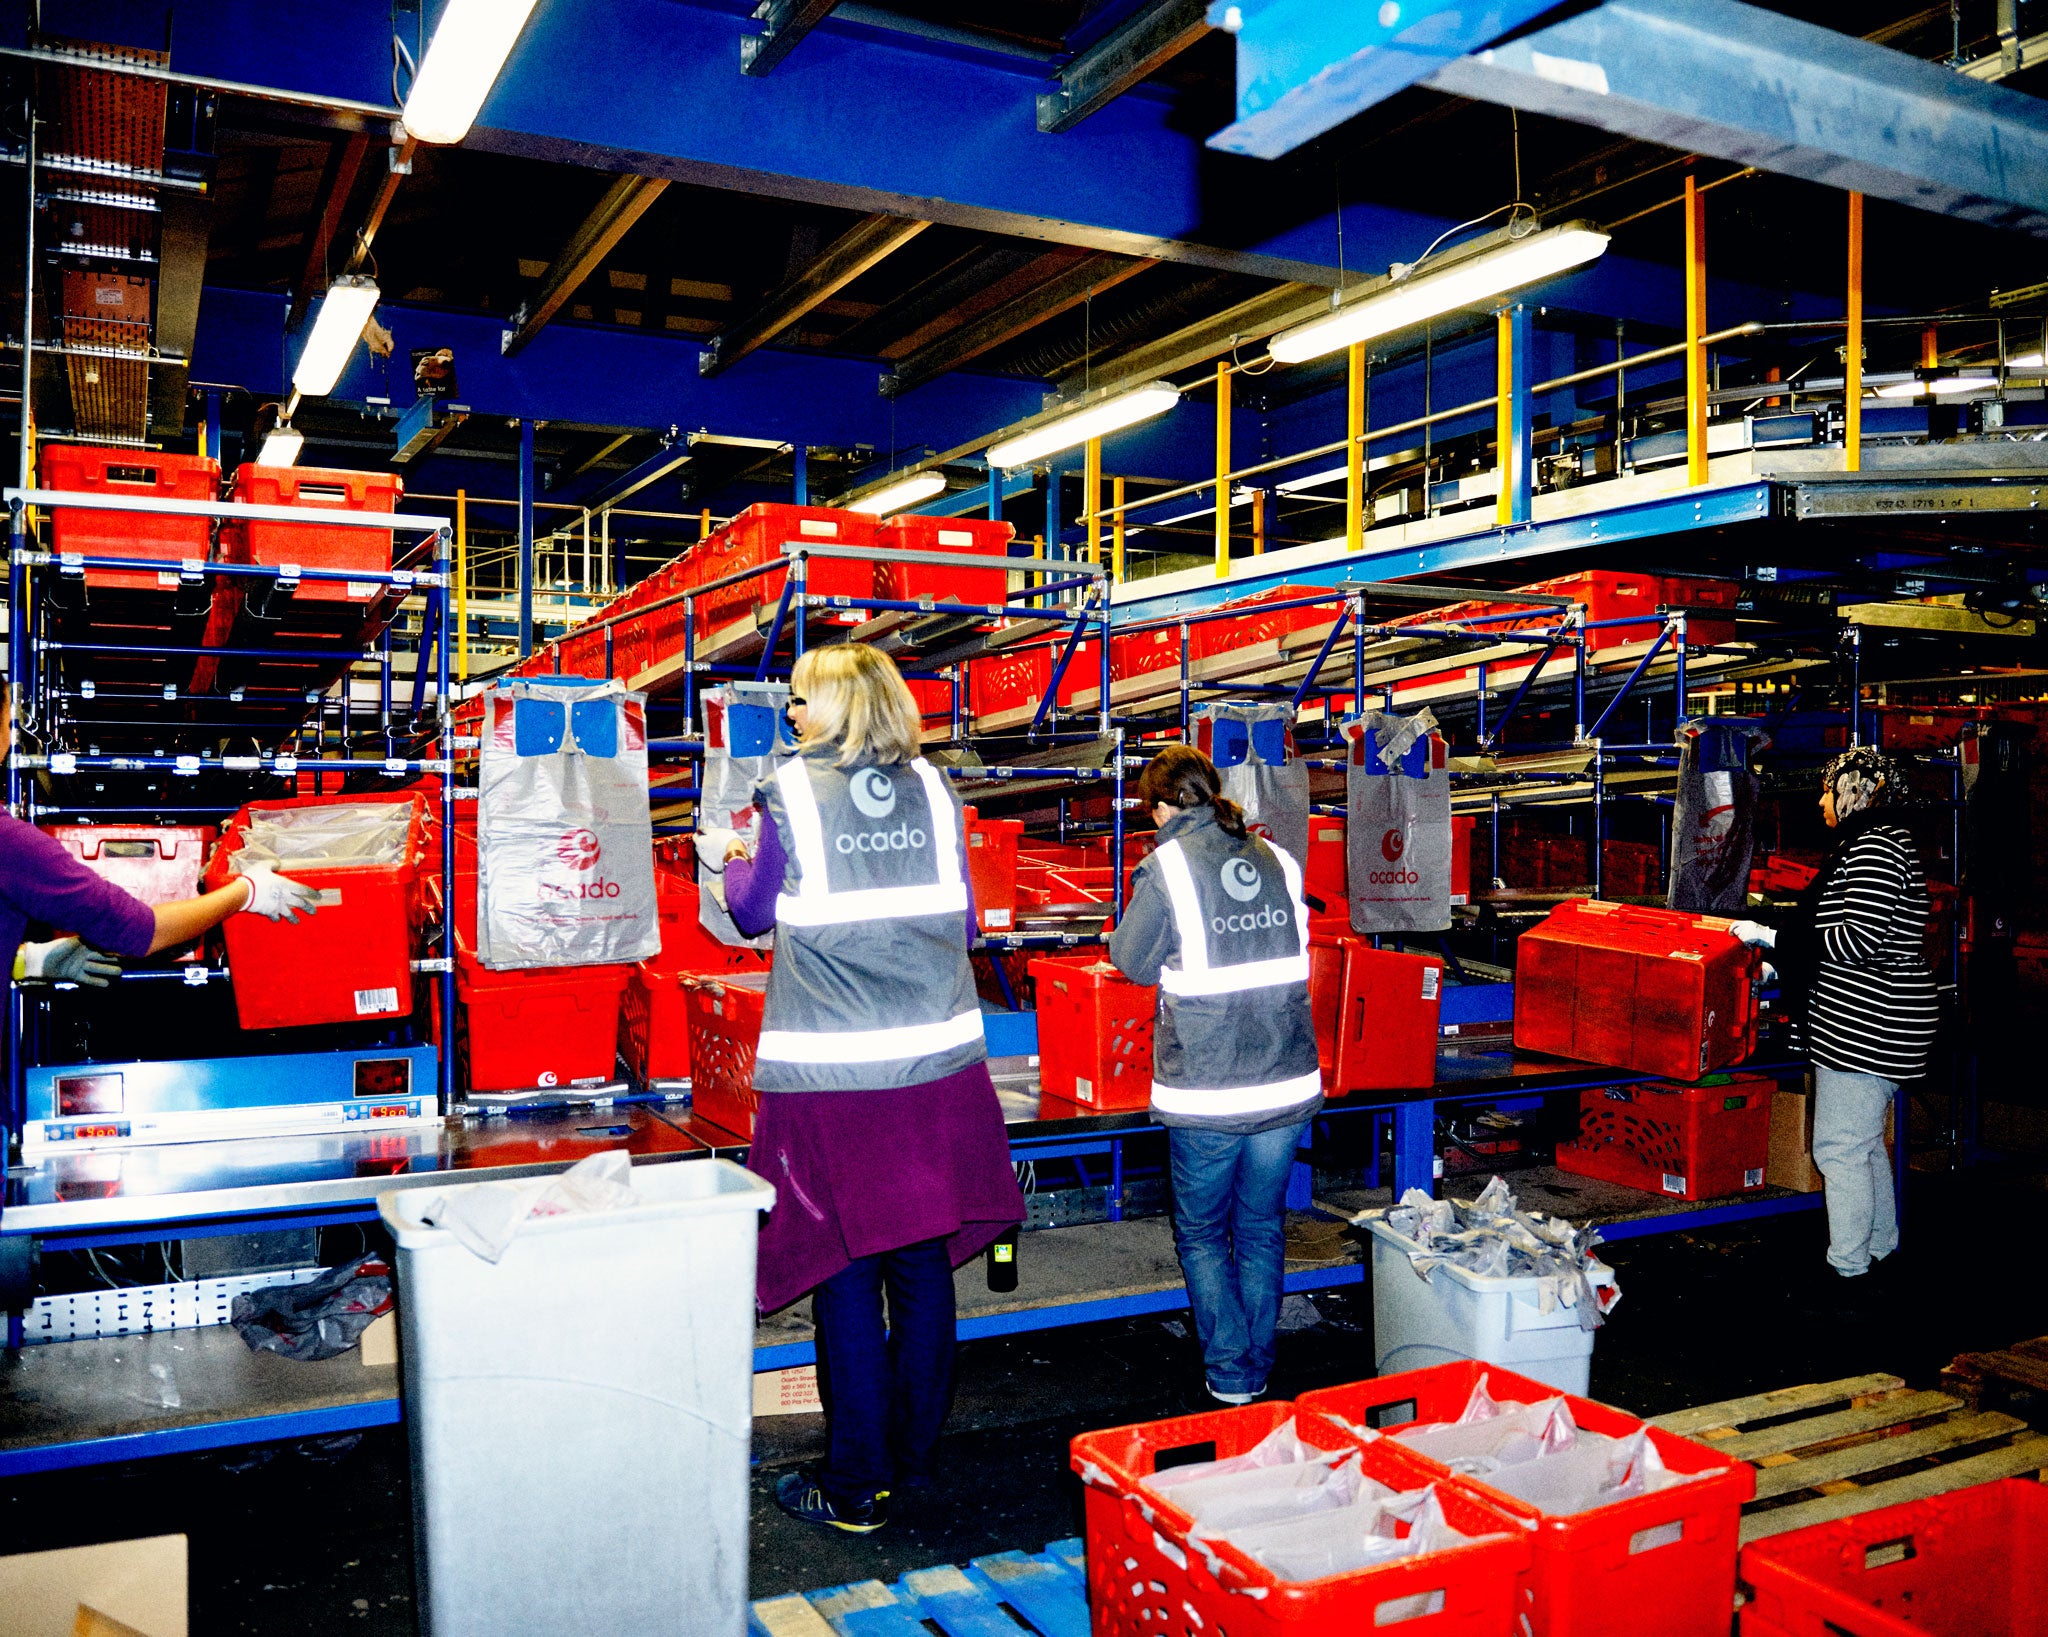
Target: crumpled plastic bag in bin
{"type": "Point", "coordinates": [486, 1216]}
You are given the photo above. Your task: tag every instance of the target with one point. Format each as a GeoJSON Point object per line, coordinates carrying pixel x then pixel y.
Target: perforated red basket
{"type": "Point", "coordinates": [1687, 1142]}
{"type": "Point", "coordinates": [1094, 1034]}
{"type": "Point", "coordinates": [725, 1029]}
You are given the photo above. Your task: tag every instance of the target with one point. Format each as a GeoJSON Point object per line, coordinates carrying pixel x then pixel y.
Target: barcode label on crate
{"type": "Point", "coordinates": [998, 917]}
{"type": "Point", "coordinates": [164, 577]}
{"type": "Point", "coordinates": [1084, 1089]}
{"type": "Point", "coordinates": [362, 588]}
{"type": "Point", "coordinates": [956, 537]}
{"type": "Point", "coordinates": [369, 1001]}
{"type": "Point", "coordinates": [1753, 1178]}
{"type": "Point", "coordinates": [1430, 975]}
{"type": "Point", "coordinates": [1673, 1185]}
{"type": "Point", "coordinates": [817, 525]}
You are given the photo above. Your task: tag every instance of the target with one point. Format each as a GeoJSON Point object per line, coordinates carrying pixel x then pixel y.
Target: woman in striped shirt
{"type": "Point", "coordinates": [1853, 968]}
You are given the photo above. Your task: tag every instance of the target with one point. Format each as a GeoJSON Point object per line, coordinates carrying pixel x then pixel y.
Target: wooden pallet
{"type": "Point", "coordinates": [2022, 1367]}
{"type": "Point", "coordinates": [1839, 1448]}
{"type": "Point", "coordinates": [1007, 1594]}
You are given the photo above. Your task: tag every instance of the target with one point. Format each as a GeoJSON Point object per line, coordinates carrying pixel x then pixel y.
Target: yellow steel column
{"type": "Point", "coordinates": [1116, 531]}
{"type": "Point", "coordinates": [1222, 471]}
{"type": "Point", "coordinates": [1852, 353]}
{"type": "Point", "coordinates": [462, 585]}
{"type": "Point", "coordinates": [1258, 522]}
{"type": "Point", "coordinates": [1695, 327]}
{"type": "Point", "coordinates": [1354, 451]}
{"type": "Point", "coordinates": [1091, 502]}
{"type": "Point", "coordinates": [1504, 414]}
{"type": "Point", "coordinates": [704, 524]}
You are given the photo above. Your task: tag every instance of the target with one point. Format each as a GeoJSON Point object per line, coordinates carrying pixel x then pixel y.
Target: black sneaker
{"type": "Point", "coordinates": [803, 1498]}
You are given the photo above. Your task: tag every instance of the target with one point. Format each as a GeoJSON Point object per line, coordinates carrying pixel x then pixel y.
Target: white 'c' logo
{"type": "Point", "coordinates": [873, 793]}
{"type": "Point", "coordinates": [1241, 879]}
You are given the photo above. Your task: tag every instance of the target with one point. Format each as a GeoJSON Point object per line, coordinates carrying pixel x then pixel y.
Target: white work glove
{"type": "Point", "coordinates": [67, 960]}
{"type": "Point", "coordinates": [276, 897]}
{"type": "Point", "coordinates": [1754, 935]}
{"type": "Point", "coordinates": [1769, 974]}
{"type": "Point", "coordinates": [713, 845]}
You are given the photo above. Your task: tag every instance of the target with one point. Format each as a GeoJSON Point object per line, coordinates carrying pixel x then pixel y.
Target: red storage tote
{"type": "Point", "coordinates": [1971, 1563]}
{"type": "Point", "coordinates": [1462, 826]}
{"type": "Point", "coordinates": [158, 863]}
{"type": "Point", "coordinates": [992, 869]}
{"type": "Point", "coordinates": [1138, 653]}
{"type": "Point", "coordinates": [1376, 1015]}
{"type": "Point", "coordinates": [311, 544]}
{"type": "Point", "coordinates": [906, 582]}
{"type": "Point", "coordinates": [755, 537]}
{"type": "Point", "coordinates": [349, 961]}
{"type": "Point", "coordinates": [1326, 875]}
{"type": "Point", "coordinates": [540, 1028]}
{"type": "Point", "coordinates": [725, 1028]}
{"type": "Point", "coordinates": [137, 474]}
{"type": "Point", "coordinates": [1256, 623]}
{"type": "Point", "coordinates": [1094, 1034]}
{"type": "Point", "coordinates": [1690, 1142]}
{"type": "Point", "coordinates": [654, 1015]}
{"type": "Point", "coordinates": [1144, 1580]}
{"type": "Point", "coordinates": [1663, 1562]}
{"type": "Point", "coordinates": [1635, 987]}
{"type": "Point", "coordinates": [1615, 594]}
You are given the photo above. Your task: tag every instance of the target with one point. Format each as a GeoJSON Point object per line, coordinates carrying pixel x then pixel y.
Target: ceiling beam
{"type": "Point", "coordinates": [1127, 55]}
{"type": "Point", "coordinates": [623, 204]}
{"type": "Point", "coordinates": [787, 22]}
{"type": "Point", "coordinates": [1263, 315]}
{"type": "Point", "coordinates": [337, 182]}
{"type": "Point", "coordinates": [842, 261]}
{"type": "Point", "coordinates": [936, 296]}
{"type": "Point", "coordinates": [1088, 277]}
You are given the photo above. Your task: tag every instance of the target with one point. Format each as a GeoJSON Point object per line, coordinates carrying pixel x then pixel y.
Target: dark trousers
{"type": "Point", "coordinates": [886, 1391]}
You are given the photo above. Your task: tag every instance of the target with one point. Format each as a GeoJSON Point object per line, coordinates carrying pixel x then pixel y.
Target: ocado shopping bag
{"type": "Point", "coordinates": [1398, 823]}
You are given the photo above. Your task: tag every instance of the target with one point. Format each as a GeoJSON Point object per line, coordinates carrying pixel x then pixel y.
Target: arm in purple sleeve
{"type": "Point", "coordinates": [752, 884]}
{"type": "Point", "coordinates": [43, 882]}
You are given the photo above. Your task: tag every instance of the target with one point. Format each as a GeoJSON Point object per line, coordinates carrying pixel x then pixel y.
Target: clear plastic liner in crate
{"type": "Point", "coordinates": [344, 835]}
{"type": "Point", "coordinates": [1495, 1238]}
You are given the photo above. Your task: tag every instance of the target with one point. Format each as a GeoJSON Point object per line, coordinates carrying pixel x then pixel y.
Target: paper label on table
{"type": "Point", "coordinates": [371, 1001]}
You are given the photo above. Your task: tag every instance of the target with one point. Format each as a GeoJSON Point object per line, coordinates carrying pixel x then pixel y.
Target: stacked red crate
{"type": "Point", "coordinates": [757, 536]}
{"type": "Point", "coordinates": [132, 474]}
{"type": "Point", "coordinates": [910, 531]}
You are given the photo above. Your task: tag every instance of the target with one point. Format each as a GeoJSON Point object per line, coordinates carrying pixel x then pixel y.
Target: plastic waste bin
{"type": "Point", "coordinates": [1458, 1314]}
{"type": "Point", "coordinates": [575, 1405]}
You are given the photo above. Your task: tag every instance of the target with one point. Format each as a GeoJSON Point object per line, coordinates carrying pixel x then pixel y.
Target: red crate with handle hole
{"type": "Point", "coordinates": [313, 544]}
{"type": "Point", "coordinates": [654, 1012]}
{"type": "Point", "coordinates": [725, 1031]}
{"type": "Point", "coordinates": [136, 474]}
{"type": "Point", "coordinates": [1660, 1562]}
{"type": "Point", "coordinates": [992, 869]}
{"type": "Point", "coordinates": [1971, 1561]}
{"type": "Point", "coordinates": [539, 1028]}
{"type": "Point", "coordinates": [757, 536]}
{"type": "Point", "coordinates": [1145, 1579]}
{"type": "Point", "coordinates": [1685, 1142]}
{"type": "Point", "coordinates": [969, 583]}
{"type": "Point", "coordinates": [1094, 1035]}
{"type": "Point", "coordinates": [1376, 1014]}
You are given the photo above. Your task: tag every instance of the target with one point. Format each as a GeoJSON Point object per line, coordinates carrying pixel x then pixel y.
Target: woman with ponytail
{"type": "Point", "coordinates": [1216, 920]}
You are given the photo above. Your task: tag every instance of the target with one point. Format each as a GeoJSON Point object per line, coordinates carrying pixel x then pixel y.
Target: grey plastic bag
{"type": "Point", "coordinates": [1253, 749]}
{"type": "Point", "coordinates": [565, 846]}
{"type": "Point", "coordinates": [1397, 828]}
{"type": "Point", "coordinates": [1713, 828]}
{"type": "Point", "coordinates": [746, 737]}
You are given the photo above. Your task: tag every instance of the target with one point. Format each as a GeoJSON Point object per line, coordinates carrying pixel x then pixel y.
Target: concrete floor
{"type": "Point", "coordinates": [318, 1537]}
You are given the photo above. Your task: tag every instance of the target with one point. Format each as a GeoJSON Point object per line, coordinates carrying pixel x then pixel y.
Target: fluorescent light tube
{"type": "Point", "coordinates": [918, 486]}
{"type": "Point", "coordinates": [281, 448]}
{"type": "Point", "coordinates": [463, 61]}
{"type": "Point", "coordinates": [1944, 386]}
{"type": "Point", "coordinates": [344, 310]}
{"type": "Point", "coordinates": [1071, 431]}
{"type": "Point", "coordinates": [2026, 360]}
{"type": "Point", "coordinates": [1425, 295]}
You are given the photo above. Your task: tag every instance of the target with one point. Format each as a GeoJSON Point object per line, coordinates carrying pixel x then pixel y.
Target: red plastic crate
{"type": "Point", "coordinates": [348, 962]}
{"type": "Point", "coordinates": [1927, 728]}
{"type": "Point", "coordinates": [1376, 1015]}
{"type": "Point", "coordinates": [1094, 1034]}
{"type": "Point", "coordinates": [1256, 623]}
{"type": "Point", "coordinates": [908, 531]}
{"type": "Point", "coordinates": [158, 863]}
{"type": "Point", "coordinates": [992, 869]}
{"type": "Point", "coordinates": [1631, 869]}
{"type": "Point", "coordinates": [1971, 1562]}
{"type": "Point", "coordinates": [1327, 874]}
{"type": "Point", "coordinates": [1613, 594]}
{"type": "Point", "coordinates": [1688, 1142]}
{"type": "Point", "coordinates": [540, 1028]}
{"type": "Point", "coordinates": [1139, 653]}
{"type": "Point", "coordinates": [1462, 827]}
{"type": "Point", "coordinates": [725, 1029]}
{"type": "Point", "coordinates": [654, 1027]}
{"type": "Point", "coordinates": [756, 537]}
{"type": "Point", "coordinates": [1144, 1580]}
{"type": "Point", "coordinates": [136, 474]}
{"type": "Point", "coordinates": [311, 544]}
{"type": "Point", "coordinates": [1662, 1562]}
{"type": "Point", "coordinates": [1635, 987]}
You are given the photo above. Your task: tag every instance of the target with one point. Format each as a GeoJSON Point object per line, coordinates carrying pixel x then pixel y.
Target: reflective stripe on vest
{"type": "Point", "coordinates": [815, 903]}
{"type": "Point", "coordinates": [910, 1040]}
{"type": "Point", "coordinates": [1237, 1099]}
{"type": "Point", "coordinates": [1195, 975]}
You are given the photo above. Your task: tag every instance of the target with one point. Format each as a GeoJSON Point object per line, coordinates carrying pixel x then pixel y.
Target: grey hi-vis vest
{"type": "Point", "coordinates": [1234, 1036]}
{"type": "Point", "coordinates": [871, 986]}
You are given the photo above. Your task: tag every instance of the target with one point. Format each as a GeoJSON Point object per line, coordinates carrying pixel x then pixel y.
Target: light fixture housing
{"type": "Point", "coordinates": [463, 61]}
{"type": "Point", "coordinates": [1942, 386]}
{"type": "Point", "coordinates": [908, 492]}
{"type": "Point", "coordinates": [1073, 430]}
{"type": "Point", "coordinates": [281, 447]}
{"type": "Point", "coordinates": [344, 310]}
{"type": "Point", "coordinates": [1399, 304]}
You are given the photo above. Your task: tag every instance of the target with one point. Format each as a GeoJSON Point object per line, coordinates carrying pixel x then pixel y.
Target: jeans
{"type": "Point", "coordinates": [1848, 1148]}
{"type": "Point", "coordinates": [886, 1393]}
{"type": "Point", "coordinates": [1230, 1228]}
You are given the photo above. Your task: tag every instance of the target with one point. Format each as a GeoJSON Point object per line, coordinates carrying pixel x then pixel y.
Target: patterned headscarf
{"type": "Point", "coordinates": [1860, 778]}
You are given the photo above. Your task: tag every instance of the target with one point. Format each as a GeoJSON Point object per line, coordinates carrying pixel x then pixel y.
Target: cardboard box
{"type": "Point", "coordinates": [1791, 1159]}
{"type": "Point", "coordinates": [788, 1392]}
{"type": "Point", "coordinates": [106, 295]}
{"type": "Point", "coordinates": [123, 1586]}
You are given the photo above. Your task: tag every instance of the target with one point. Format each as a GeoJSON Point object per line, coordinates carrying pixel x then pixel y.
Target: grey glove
{"type": "Point", "coordinates": [1755, 935]}
{"type": "Point", "coordinates": [68, 960]}
{"type": "Point", "coordinates": [275, 897]}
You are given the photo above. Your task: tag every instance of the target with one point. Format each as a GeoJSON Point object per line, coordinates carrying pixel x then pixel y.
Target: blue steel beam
{"type": "Point", "coordinates": [1749, 85]}
{"type": "Point", "coordinates": [1304, 66]}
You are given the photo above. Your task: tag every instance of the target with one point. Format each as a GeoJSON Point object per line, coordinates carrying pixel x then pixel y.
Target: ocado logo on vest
{"type": "Point", "coordinates": [1241, 879]}
{"type": "Point", "coordinates": [873, 793]}
{"type": "Point", "coordinates": [902, 839]}
{"type": "Point", "coordinates": [1267, 917]}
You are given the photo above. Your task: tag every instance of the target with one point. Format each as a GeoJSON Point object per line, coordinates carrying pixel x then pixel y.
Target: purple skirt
{"type": "Point", "coordinates": [857, 1173]}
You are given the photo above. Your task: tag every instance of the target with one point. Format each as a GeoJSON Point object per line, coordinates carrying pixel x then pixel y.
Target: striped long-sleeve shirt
{"type": "Point", "coordinates": [1872, 1008]}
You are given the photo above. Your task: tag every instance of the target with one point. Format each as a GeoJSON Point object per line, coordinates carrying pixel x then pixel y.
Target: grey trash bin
{"type": "Point", "coordinates": [580, 1412]}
